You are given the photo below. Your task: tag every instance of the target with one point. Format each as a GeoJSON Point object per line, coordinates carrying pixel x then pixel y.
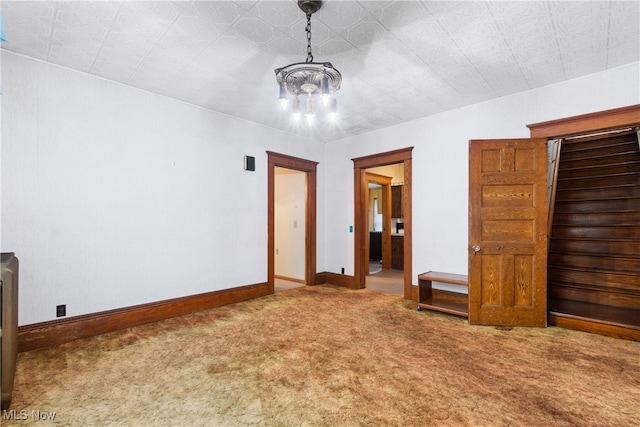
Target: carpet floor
{"type": "Point", "coordinates": [329, 356]}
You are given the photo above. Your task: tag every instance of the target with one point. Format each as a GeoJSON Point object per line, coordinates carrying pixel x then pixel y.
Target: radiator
{"type": "Point", "coordinates": [8, 325]}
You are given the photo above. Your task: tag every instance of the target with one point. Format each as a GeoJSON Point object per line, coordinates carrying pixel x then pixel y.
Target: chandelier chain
{"type": "Point", "coordinates": [308, 30]}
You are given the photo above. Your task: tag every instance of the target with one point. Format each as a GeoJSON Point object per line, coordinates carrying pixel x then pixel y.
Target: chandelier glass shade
{"type": "Point", "coordinates": [308, 80]}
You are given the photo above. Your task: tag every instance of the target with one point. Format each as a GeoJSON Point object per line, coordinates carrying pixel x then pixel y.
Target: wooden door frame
{"type": "Point", "coordinates": [385, 182]}
{"type": "Point", "coordinates": [361, 266]}
{"type": "Point", "coordinates": [310, 170]}
{"type": "Point", "coordinates": [587, 123]}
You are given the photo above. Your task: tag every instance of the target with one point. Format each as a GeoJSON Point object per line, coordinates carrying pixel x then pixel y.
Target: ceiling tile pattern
{"type": "Point", "coordinates": [400, 60]}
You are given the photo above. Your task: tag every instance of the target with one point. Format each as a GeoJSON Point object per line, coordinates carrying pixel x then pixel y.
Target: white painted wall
{"type": "Point", "coordinates": [440, 162]}
{"type": "Point", "coordinates": [289, 200]}
{"type": "Point", "coordinates": [113, 197]}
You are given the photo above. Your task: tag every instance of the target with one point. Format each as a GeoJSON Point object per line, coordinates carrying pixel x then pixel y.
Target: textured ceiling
{"type": "Point", "coordinates": [400, 60]}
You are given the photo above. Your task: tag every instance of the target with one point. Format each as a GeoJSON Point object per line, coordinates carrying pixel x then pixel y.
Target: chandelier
{"type": "Point", "coordinates": [306, 79]}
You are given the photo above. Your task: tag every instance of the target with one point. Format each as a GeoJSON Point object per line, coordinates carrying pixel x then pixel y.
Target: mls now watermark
{"type": "Point", "coordinates": [24, 415]}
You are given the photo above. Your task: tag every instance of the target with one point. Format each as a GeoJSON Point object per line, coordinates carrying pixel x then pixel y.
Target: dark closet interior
{"type": "Point", "coordinates": [594, 245]}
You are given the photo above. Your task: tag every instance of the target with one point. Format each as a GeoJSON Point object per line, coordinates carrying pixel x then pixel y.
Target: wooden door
{"type": "Point", "coordinates": [508, 211]}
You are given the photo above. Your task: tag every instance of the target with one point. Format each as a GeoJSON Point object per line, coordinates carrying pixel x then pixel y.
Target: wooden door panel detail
{"type": "Point", "coordinates": [491, 281]}
{"type": "Point", "coordinates": [491, 161]}
{"type": "Point", "coordinates": [497, 281]}
{"type": "Point", "coordinates": [507, 195]}
{"type": "Point", "coordinates": [524, 283]}
{"type": "Point", "coordinates": [508, 232]}
{"type": "Point", "coordinates": [525, 160]}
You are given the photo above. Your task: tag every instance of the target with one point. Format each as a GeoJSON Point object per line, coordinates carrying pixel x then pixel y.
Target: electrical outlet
{"type": "Point", "coordinates": [61, 310]}
{"type": "Point", "coordinates": [342, 270]}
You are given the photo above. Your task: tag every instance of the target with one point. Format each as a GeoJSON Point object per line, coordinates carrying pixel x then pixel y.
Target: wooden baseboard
{"type": "Point", "coordinates": [615, 330]}
{"type": "Point", "coordinates": [47, 334]}
{"type": "Point", "coordinates": [336, 279]}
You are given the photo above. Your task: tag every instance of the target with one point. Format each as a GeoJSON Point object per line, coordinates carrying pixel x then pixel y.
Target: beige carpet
{"type": "Point", "coordinates": [327, 356]}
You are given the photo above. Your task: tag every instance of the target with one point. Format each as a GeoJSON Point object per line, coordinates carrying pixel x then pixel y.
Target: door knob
{"type": "Point", "coordinates": [476, 248]}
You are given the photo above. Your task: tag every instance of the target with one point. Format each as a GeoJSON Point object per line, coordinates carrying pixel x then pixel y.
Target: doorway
{"type": "Point", "coordinates": [308, 170]}
{"type": "Point", "coordinates": [361, 196]}
{"type": "Point", "coordinates": [385, 234]}
{"type": "Point", "coordinates": [289, 232]}
{"type": "Point", "coordinates": [378, 221]}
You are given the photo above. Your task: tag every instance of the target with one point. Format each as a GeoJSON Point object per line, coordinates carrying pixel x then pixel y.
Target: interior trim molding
{"type": "Point", "coordinates": [309, 167]}
{"type": "Point", "coordinates": [360, 164]}
{"type": "Point", "coordinates": [336, 279]}
{"type": "Point", "coordinates": [47, 334]}
{"type": "Point", "coordinates": [586, 123]}
{"type": "Point", "coordinates": [614, 330]}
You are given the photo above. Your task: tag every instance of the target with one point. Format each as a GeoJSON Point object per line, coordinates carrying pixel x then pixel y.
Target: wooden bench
{"type": "Point", "coordinates": [439, 300]}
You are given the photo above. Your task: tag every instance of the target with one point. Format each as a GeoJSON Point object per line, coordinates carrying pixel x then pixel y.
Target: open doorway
{"type": "Point", "coordinates": [378, 222]}
{"type": "Point", "coordinates": [290, 224]}
{"type": "Point", "coordinates": [375, 228]}
{"type": "Point", "coordinates": [301, 175]}
{"type": "Point", "coordinates": [362, 166]}
{"type": "Point", "coordinates": [385, 224]}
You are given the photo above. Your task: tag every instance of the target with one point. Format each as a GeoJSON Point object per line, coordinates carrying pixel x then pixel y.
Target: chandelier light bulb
{"type": "Point", "coordinates": [283, 103]}
{"type": "Point", "coordinates": [309, 110]}
{"type": "Point", "coordinates": [333, 109]}
{"type": "Point", "coordinates": [296, 109]}
{"type": "Point", "coordinates": [325, 94]}
{"type": "Point", "coordinates": [282, 99]}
